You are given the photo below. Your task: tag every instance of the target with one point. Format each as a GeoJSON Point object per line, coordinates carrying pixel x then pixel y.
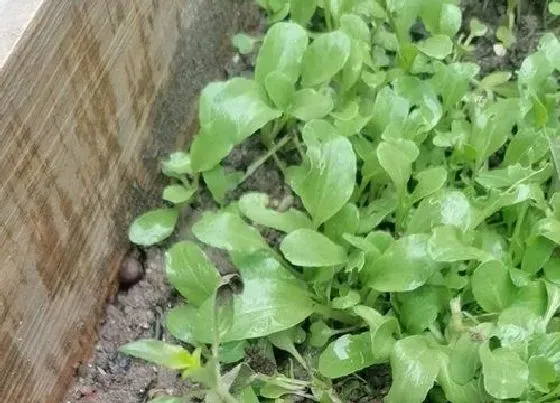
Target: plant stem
{"type": "Point", "coordinates": [257, 164]}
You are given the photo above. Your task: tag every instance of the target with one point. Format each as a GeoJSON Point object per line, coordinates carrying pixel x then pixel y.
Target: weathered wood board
{"type": "Point", "coordinates": [92, 94]}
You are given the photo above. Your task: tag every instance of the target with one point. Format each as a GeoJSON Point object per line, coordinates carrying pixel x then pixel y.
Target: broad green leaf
{"type": "Point", "coordinates": [191, 272]}
{"type": "Point", "coordinates": [176, 322]}
{"type": "Point", "coordinates": [537, 254]}
{"type": "Point", "coordinates": [554, 8]}
{"type": "Point", "coordinates": [505, 375]}
{"type": "Point", "coordinates": [495, 79]}
{"type": "Point", "coordinates": [446, 245]}
{"type": "Point", "coordinates": [450, 19]}
{"type": "Point", "coordinates": [243, 43]}
{"type": "Point", "coordinates": [178, 194]}
{"type": "Point", "coordinates": [302, 11]}
{"type": "Point", "coordinates": [517, 324]}
{"type": "Point", "coordinates": [419, 308]}
{"type": "Point", "coordinates": [453, 80]}
{"type": "Point", "coordinates": [553, 294]}
{"type": "Point", "coordinates": [168, 355]}
{"type": "Point", "coordinates": [405, 265]}
{"type": "Point", "coordinates": [272, 300]}
{"type": "Point", "coordinates": [280, 89]}
{"type": "Point", "coordinates": [346, 221]}
{"type": "Point", "coordinates": [443, 208]}
{"type": "Point", "coordinates": [177, 164]}
{"type": "Point", "coordinates": [382, 330]}
{"type": "Point", "coordinates": [284, 340]}
{"type": "Point", "coordinates": [353, 67]}
{"type": "Point", "coordinates": [465, 359]}
{"type": "Point", "coordinates": [230, 112]}
{"type": "Point", "coordinates": [436, 46]}
{"type": "Point", "coordinates": [550, 229]}
{"type": "Point", "coordinates": [414, 368]}
{"type": "Point", "coordinates": [232, 352]}
{"type": "Point", "coordinates": [308, 248]}
{"type": "Point", "coordinates": [420, 93]}
{"type": "Point", "coordinates": [347, 301]}
{"type": "Point", "coordinates": [228, 231]}
{"type": "Point", "coordinates": [477, 28]}
{"type": "Point", "coordinates": [541, 373]}
{"type": "Point", "coordinates": [389, 108]}
{"type": "Point", "coordinates": [325, 57]}
{"type": "Point", "coordinates": [327, 182]}
{"type": "Point", "coordinates": [355, 27]}
{"type": "Point", "coordinates": [220, 182]}
{"type": "Point", "coordinates": [254, 207]}
{"type": "Point", "coordinates": [374, 213]}
{"type": "Point", "coordinates": [397, 161]}
{"type": "Point", "coordinates": [492, 286]}
{"type": "Point", "coordinates": [282, 51]}
{"type": "Point", "coordinates": [346, 355]}
{"type": "Point", "coordinates": [308, 104]}
{"type": "Point", "coordinates": [153, 227]}
{"type": "Point", "coordinates": [320, 333]}
{"type": "Point", "coordinates": [374, 80]}
{"type": "Point", "coordinates": [526, 148]}
{"type": "Point", "coordinates": [546, 346]}
{"type": "Point", "coordinates": [429, 181]}
{"type": "Point", "coordinates": [247, 395]}
{"type": "Point", "coordinates": [552, 270]}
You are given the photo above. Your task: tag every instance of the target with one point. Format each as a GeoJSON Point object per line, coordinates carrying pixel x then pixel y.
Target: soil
{"type": "Point", "coordinates": [137, 312]}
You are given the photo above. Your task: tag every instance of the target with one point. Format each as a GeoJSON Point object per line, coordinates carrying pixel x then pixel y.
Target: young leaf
{"type": "Point", "coordinates": [382, 331]}
{"type": "Point", "coordinates": [254, 207]}
{"type": "Point", "coordinates": [450, 19]}
{"type": "Point", "coordinates": [327, 184]}
{"type": "Point", "coordinates": [325, 57]}
{"type": "Point", "coordinates": [443, 208]}
{"type": "Point", "coordinates": [178, 194]}
{"type": "Point", "coordinates": [541, 373]}
{"type": "Point", "coordinates": [346, 221]}
{"type": "Point", "coordinates": [302, 11]}
{"type": "Point", "coordinates": [419, 308]}
{"type": "Point", "coordinates": [228, 231]}
{"type": "Point", "coordinates": [347, 354]}
{"type": "Point", "coordinates": [436, 46]}
{"type": "Point", "coordinates": [272, 300]}
{"type": "Point", "coordinates": [465, 359]}
{"type": "Point", "coordinates": [153, 226]}
{"type": "Point", "coordinates": [230, 112]}
{"type": "Point", "coordinates": [397, 161]}
{"type": "Point", "coordinates": [445, 245]}
{"type": "Point", "coordinates": [243, 43]}
{"type": "Point", "coordinates": [168, 355]}
{"type": "Point", "coordinates": [405, 265]}
{"type": "Point", "coordinates": [429, 181]}
{"type": "Point", "coordinates": [492, 286]}
{"type": "Point", "coordinates": [177, 164]}
{"type": "Point", "coordinates": [280, 89]}
{"type": "Point", "coordinates": [232, 352]}
{"type": "Point", "coordinates": [247, 395]}
{"type": "Point", "coordinates": [220, 182]}
{"type": "Point", "coordinates": [414, 368]}
{"type": "Point", "coordinates": [190, 272]}
{"type": "Point", "coordinates": [282, 51]}
{"type": "Point", "coordinates": [506, 376]}
{"type": "Point", "coordinates": [355, 27]}
{"type": "Point", "coordinates": [308, 104]}
{"type": "Point", "coordinates": [308, 248]}
{"type": "Point", "coordinates": [284, 340]}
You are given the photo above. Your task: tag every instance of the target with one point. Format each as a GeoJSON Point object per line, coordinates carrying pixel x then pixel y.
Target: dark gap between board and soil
{"type": "Point", "coordinates": [137, 312]}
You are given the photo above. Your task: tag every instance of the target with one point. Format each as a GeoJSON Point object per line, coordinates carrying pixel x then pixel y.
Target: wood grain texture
{"type": "Point", "coordinates": [94, 93]}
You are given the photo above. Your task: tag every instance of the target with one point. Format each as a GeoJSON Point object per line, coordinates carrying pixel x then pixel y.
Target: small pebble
{"type": "Point", "coordinates": [131, 271]}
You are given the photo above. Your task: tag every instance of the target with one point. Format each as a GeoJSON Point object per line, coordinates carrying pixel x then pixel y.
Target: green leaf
{"type": "Point", "coordinates": [284, 340]}
{"type": "Point", "coordinates": [550, 229]}
{"type": "Point", "coordinates": [168, 355]}
{"type": "Point", "coordinates": [232, 352]}
{"type": "Point", "coordinates": [506, 376]}
{"type": "Point", "coordinates": [177, 164]}
{"type": "Point", "coordinates": [176, 322]}
{"type": "Point", "coordinates": [282, 51]}
{"type": "Point", "coordinates": [429, 181]}
{"type": "Point", "coordinates": [546, 346]}
{"type": "Point", "coordinates": [552, 270]}
{"type": "Point", "coordinates": [228, 231]}
{"type": "Point", "coordinates": [302, 11]}
{"type": "Point", "coordinates": [280, 89]}
{"type": "Point", "coordinates": [477, 28]}
{"type": "Point", "coordinates": [307, 248]}
{"type": "Point", "coordinates": [178, 194]}
{"type": "Point", "coordinates": [220, 182]}
{"type": "Point", "coordinates": [443, 208]}
{"type": "Point", "coordinates": [309, 104]}
{"type": "Point", "coordinates": [495, 79]}
{"type": "Point", "coordinates": [414, 368]}
{"type": "Point", "coordinates": [347, 354]}
{"type": "Point", "coordinates": [396, 160]}
{"type": "Point", "coordinates": [492, 286]}
{"type": "Point", "coordinates": [153, 227]}
{"type": "Point", "coordinates": [465, 359]}
{"type": "Point", "coordinates": [327, 182]}
{"type": "Point", "coordinates": [405, 265]}
{"type": "Point", "coordinates": [537, 254]}
{"type": "Point", "coordinates": [229, 112]}
{"type": "Point", "coordinates": [347, 301]}
{"type": "Point", "coordinates": [452, 81]}
{"type": "Point", "coordinates": [436, 46]}
{"type": "Point", "coordinates": [244, 43]}
{"type": "Point", "coordinates": [346, 221]}
{"type": "Point", "coordinates": [320, 334]}
{"type": "Point", "coordinates": [325, 57]}
{"type": "Point", "coordinates": [541, 373]}
{"type": "Point", "coordinates": [272, 300]}
{"type": "Point", "coordinates": [254, 207]}
{"type": "Point", "coordinates": [445, 245]}
{"type": "Point", "coordinates": [450, 20]}
{"type": "Point", "coordinates": [355, 27]}
{"type": "Point", "coordinates": [353, 67]}
{"type": "Point", "coordinates": [419, 308]}
{"type": "Point", "coordinates": [191, 272]}
{"type": "Point", "coordinates": [247, 395]}
{"type": "Point", "coordinates": [382, 330]}
{"type": "Point", "coordinates": [554, 8]}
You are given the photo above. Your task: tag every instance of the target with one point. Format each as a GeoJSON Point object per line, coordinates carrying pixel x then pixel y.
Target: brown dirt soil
{"type": "Point", "coordinates": [136, 313]}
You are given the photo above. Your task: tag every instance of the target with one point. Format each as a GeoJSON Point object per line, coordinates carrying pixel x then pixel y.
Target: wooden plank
{"type": "Point", "coordinates": [93, 93]}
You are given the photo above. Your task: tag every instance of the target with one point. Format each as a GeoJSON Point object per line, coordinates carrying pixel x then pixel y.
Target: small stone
{"type": "Point", "coordinates": [131, 271]}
